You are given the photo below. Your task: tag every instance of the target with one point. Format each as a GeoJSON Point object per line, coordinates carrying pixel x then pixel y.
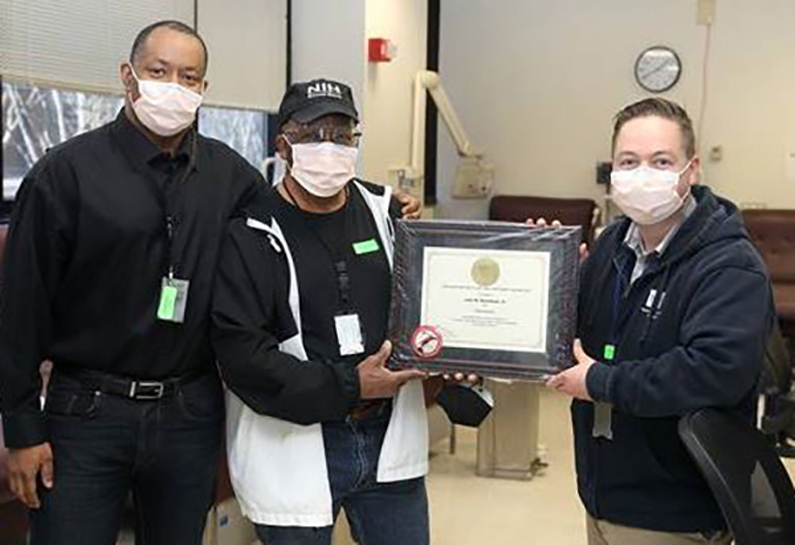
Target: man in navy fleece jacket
{"type": "Point", "coordinates": [674, 309]}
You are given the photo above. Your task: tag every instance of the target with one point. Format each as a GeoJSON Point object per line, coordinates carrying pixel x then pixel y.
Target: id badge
{"type": "Point", "coordinates": [603, 420]}
{"type": "Point", "coordinates": [349, 334]}
{"type": "Point", "coordinates": [173, 300]}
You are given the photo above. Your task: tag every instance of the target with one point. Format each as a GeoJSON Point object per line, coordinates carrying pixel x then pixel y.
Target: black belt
{"type": "Point", "coordinates": [142, 390]}
{"type": "Point", "coordinates": [368, 409]}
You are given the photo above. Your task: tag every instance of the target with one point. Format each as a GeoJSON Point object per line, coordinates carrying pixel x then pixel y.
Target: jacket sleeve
{"type": "Point", "coordinates": [37, 253]}
{"type": "Point", "coordinates": [717, 361]}
{"type": "Point", "coordinates": [251, 188]}
{"type": "Point", "coordinates": [250, 316]}
{"type": "Point", "coordinates": [395, 209]}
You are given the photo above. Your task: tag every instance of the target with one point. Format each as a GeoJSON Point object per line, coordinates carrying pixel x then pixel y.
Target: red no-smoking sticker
{"type": "Point", "coordinates": [426, 342]}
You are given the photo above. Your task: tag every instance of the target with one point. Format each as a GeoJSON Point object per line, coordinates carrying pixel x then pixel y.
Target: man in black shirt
{"type": "Point", "coordinates": [300, 317]}
{"type": "Point", "coordinates": [108, 273]}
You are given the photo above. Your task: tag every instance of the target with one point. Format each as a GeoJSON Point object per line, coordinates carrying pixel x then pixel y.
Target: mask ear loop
{"type": "Point", "coordinates": [132, 71]}
{"type": "Point", "coordinates": [687, 166]}
{"type": "Point", "coordinates": [285, 164]}
{"type": "Point", "coordinates": [137, 81]}
{"type": "Point", "coordinates": [682, 198]}
{"type": "Point", "coordinates": [290, 145]}
{"type": "Point", "coordinates": [679, 178]}
{"type": "Point", "coordinates": [278, 168]}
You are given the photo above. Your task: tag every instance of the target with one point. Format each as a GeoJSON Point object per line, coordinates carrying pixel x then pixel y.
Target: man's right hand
{"type": "Point", "coordinates": [24, 466]}
{"type": "Point", "coordinates": [376, 381]}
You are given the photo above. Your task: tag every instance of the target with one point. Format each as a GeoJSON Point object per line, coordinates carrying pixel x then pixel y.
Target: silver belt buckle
{"type": "Point", "coordinates": [147, 390]}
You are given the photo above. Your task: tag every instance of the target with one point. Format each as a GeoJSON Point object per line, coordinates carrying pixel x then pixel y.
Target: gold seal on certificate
{"type": "Point", "coordinates": [485, 271]}
{"type": "Point", "coordinates": [492, 298]}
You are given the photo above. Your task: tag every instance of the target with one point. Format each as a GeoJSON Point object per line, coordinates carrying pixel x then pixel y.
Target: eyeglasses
{"type": "Point", "coordinates": [339, 135]}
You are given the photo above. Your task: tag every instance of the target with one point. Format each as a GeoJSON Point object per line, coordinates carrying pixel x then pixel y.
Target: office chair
{"type": "Point", "coordinates": [746, 476]}
{"type": "Point", "coordinates": [777, 418]}
{"type": "Point", "coordinates": [773, 234]}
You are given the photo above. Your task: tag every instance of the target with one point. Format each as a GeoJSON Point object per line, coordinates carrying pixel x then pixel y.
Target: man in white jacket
{"type": "Point", "coordinates": [315, 420]}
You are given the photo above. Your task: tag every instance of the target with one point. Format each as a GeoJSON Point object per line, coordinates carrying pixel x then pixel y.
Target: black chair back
{"type": "Point", "coordinates": [746, 476]}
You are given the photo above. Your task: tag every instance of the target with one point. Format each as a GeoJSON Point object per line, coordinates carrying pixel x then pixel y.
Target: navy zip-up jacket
{"type": "Point", "coordinates": [689, 333]}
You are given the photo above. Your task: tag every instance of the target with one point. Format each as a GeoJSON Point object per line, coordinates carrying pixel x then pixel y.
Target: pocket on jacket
{"type": "Point", "coordinates": [631, 457]}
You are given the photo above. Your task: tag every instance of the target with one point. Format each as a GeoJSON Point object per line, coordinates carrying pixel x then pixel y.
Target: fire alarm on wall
{"type": "Point", "coordinates": [381, 50]}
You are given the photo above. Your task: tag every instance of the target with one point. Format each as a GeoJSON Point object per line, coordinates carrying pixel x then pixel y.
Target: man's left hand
{"type": "Point", "coordinates": [410, 209]}
{"type": "Point", "coordinates": [572, 381]}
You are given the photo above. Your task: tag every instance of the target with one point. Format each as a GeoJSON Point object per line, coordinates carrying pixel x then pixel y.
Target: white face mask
{"type": "Point", "coordinates": [323, 168]}
{"type": "Point", "coordinates": [647, 195]}
{"type": "Point", "coordinates": [165, 108]}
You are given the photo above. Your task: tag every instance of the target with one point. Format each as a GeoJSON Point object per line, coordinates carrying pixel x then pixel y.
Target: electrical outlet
{"type": "Point", "coordinates": [705, 12]}
{"type": "Point", "coordinates": [789, 167]}
{"type": "Point", "coordinates": [473, 180]}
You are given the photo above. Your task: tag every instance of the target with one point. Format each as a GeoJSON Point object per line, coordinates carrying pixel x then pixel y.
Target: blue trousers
{"type": "Point", "coordinates": [165, 452]}
{"type": "Point", "coordinates": [379, 513]}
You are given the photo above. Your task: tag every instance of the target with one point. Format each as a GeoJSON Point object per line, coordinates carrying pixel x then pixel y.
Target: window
{"type": "Point", "coordinates": [79, 43]}
{"type": "Point", "coordinates": [36, 118]}
{"type": "Point", "coordinates": [59, 62]}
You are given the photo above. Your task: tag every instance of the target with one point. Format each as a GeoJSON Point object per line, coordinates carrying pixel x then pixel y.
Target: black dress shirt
{"type": "Point", "coordinates": [88, 247]}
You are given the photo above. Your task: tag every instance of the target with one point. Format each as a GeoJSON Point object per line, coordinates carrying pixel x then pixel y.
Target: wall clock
{"type": "Point", "coordinates": [658, 68]}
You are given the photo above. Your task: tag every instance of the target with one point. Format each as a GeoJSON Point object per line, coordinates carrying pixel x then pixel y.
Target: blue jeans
{"type": "Point", "coordinates": [379, 513]}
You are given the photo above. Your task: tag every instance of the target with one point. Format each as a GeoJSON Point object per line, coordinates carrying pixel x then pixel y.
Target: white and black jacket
{"type": "Point", "coordinates": [278, 397]}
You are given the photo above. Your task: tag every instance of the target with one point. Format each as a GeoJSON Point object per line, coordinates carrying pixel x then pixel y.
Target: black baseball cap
{"type": "Point", "coordinates": [306, 101]}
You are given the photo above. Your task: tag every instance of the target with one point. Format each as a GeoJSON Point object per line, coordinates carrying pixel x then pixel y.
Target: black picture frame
{"type": "Point", "coordinates": [411, 239]}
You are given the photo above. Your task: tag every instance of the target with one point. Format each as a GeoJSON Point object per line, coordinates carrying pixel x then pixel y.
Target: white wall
{"type": "Point", "coordinates": [536, 83]}
{"type": "Point", "coordinates": [752, 94]}
{"type": "Point", "coordinates": [389, 86]}
{"type": "Point", "coordinates": [247, 42]}
{"type": "Point", "coordinates": [328, 42]}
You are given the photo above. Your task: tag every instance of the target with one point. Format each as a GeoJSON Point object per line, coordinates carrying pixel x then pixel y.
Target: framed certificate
{"type": "Point", "coordinates": [492, 298]}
